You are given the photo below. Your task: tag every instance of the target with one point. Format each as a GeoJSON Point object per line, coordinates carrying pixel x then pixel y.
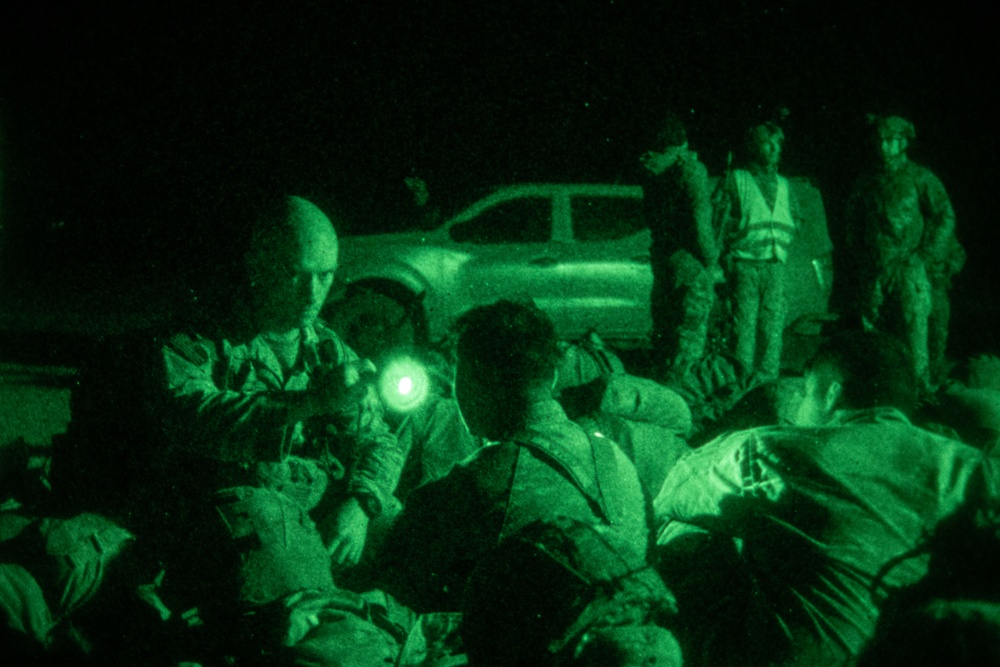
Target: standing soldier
{"type": "Point", "coordinates": [684, 253]}
{"type": "Point", "coordinates": [759, 218]}
{"type": "Point", "coordinates": [901, 233]}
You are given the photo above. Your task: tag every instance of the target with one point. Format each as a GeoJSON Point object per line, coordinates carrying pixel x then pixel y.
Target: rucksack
{"type": "Point", "coordinates": [556, 587]}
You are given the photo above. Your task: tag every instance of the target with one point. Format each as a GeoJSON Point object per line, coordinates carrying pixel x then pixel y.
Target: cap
{"type": "Point", "coordinates": [895, 126]}
{"type": "Point", "coordinates": [672, 133]}
{"type": "Point", "coordinates": [765, 131]}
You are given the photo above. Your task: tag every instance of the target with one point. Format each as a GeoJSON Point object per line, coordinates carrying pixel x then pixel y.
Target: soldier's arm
{"type": "Point", "coordinates": [712, 488]}
{"type": "Point", "coordinates": [795, 209]}
{"type": "Point", "coordinates": [726, 210]}
{"type": "Point", "coordinates": [939, 219]}
{"type": "Point", "coordinates": [216, 422]}
{"type": "Point", "coordinates": [378, 457]}
{"type": "Point", "coordinates": [375, 460]}
{"type": "Point", "coordinates": [701, 204]}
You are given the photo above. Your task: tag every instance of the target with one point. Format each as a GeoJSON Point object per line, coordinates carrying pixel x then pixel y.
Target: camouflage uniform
{"type": "Point", "coordinates": [253, 483]}
{"type": "Point", "coordinates": [225, 408]}
{"type": "Point", "coordinates": [678, 210]}
{"type": "Point", "coordinates": [547, 469]}
{"type": "Point", "coordinates": [818, 512]}
{"type": "Point", "coordinates": [52, 570]}
{"type": "Point", "coordinates": [901, 231]}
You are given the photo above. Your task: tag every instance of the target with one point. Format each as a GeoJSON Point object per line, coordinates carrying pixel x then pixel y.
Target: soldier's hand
{"type": "Point", "coordinates": [341, 387]}
{"type": "Point", "coordinates": [346, 532]}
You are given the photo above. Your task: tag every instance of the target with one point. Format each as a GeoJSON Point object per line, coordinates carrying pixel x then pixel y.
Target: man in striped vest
{"type": "Point", "coordinates": [759, 221]}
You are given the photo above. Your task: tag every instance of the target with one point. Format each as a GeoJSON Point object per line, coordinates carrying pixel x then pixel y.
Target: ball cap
{"type": "Point", "coordinates": [895, 126]}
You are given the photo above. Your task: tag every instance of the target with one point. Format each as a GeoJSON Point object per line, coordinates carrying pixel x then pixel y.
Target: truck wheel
{"type": "Point", "coordinates": [373, 323]}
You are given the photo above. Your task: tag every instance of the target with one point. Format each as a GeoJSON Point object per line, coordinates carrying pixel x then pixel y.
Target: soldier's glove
{"type": "Point", "coordinates": [345, 532]}
{"type": "Point", "coordinates": [341, 388]}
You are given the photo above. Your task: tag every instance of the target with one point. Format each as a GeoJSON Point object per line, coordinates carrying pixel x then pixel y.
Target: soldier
{"type": "Point", "coordinates": [684, 254]}
{"type": "Point", "coordinates": [538, 465]}
{"type": "Point", "coordinates": [901, 234]}
{"type": "Point", "coordinates": [759, 219]}
{"type": "Point", "coordinates": [259, 452]}
{"type": "Point", "coordinates": [818, 508]}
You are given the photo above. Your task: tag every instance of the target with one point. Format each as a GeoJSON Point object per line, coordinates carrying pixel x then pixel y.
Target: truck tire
{"type": "Point", "coordinates": [374, 322]}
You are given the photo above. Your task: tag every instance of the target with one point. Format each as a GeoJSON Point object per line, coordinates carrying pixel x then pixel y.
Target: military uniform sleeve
{"type": "Point", "coordinates": [215, 422]}
{"type": "Point", "coordinates": [715, 487]}
{"type": "Point", "coordinates": [374, 456]}
{"type": "Point", "coordinates": [701, 204]}
{"type": "Point", "coordinates": [377, 459]}
{"type": "Point", "coordinates": [726, 210]}
{"type": "Point", "coordinates": [939, 227]}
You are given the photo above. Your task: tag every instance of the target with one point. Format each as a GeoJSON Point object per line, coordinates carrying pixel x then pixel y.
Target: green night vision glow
{"type": "Point", "coordinates": [404, 384]}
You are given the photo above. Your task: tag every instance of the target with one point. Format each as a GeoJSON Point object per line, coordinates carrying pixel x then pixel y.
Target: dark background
{"type": "Point", "coordinates": [130, 131]}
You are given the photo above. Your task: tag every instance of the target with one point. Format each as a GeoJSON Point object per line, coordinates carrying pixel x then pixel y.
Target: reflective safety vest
{"type": "Point", "coordinates": [764, 233]}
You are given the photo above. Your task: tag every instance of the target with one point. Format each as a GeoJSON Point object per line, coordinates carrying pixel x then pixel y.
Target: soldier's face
{"type": "Point", "coordinates": [310, 282]}
{"type": "Point", "coordinates": [892, 147]}
{"type": "Point", "coordinates": [658, 162]}
{"type": "Point", "coordinates": [818, 399]}
{"type": "Point", "coordinates": [297, 287]}
{"type": "Point", "coordinates": [769, 149]}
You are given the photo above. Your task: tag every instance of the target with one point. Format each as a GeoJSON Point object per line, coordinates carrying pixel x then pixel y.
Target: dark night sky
{"type": "Point", "coordinates": [125, 123]}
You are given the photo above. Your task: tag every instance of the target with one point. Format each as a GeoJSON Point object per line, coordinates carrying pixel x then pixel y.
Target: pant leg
{"type": "Point", "coordinates": [915, 300]}
{"type": "Point", "coordinates": [246, 547]}
{"type": "Point", "coordinates": [937, 329]}
{"type": "Point", "coordinates": [746, 308]}
{"type": "Point", "coordinates": [771, 320]}
{"type": "Point", "coordinates": [692, 331]}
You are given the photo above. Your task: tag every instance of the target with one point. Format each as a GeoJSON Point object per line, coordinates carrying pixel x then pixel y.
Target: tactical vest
{"type": "Point", "coordinates": [764, 233]}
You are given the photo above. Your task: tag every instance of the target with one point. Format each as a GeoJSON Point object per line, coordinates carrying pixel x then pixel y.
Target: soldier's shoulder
{"type": "Point", "coordinates": [924, 174]}
{"type": "Point", "coordinates": [695, 168]}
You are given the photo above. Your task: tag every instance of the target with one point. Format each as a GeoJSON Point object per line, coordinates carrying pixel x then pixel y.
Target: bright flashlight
{"type": "Point", "coordinates": [403, 384]}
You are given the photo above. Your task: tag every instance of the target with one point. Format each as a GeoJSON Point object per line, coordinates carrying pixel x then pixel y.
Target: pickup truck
{"type": "Point", "coordinates": [580, 251]}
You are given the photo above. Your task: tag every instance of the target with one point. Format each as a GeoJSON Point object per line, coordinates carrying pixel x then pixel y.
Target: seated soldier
{"type": "Point", "coordinates": [645, 419]}
{"type": "Point", "coordinates": [266, 457]}
{"type": "Point", "coordinates": [811, 513]}
{"type": "Point", "coordinates": [537, 465]}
